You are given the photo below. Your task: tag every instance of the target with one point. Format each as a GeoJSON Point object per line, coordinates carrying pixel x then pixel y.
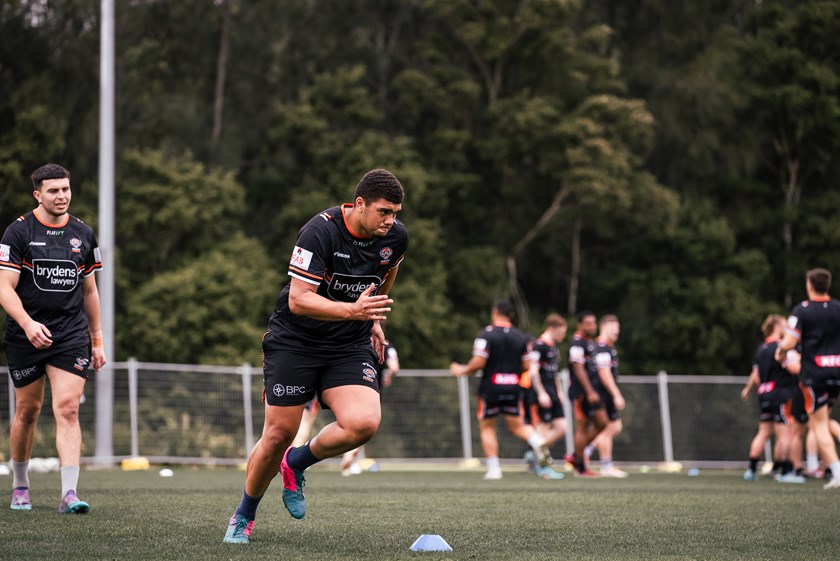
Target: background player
{"type": "Point", "coordinates": [815, 325]}
{"type": "Point", "coordinates": [503, 353]}
{"type": "Point", "coordinates": [589, 411]}
{"type": "Point", "coordinates": [605, 362]}
{"type": "Point", "coordinates": [544, 407]}
{"type": "Point", "coordinates": [48, 289]}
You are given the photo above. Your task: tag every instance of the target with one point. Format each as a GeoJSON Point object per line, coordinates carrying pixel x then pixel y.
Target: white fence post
{"type": "Point", "coordinates": [464, 407]}
{"type": "Point", "coordinates": [665, 415]}
{"type": "Point", "coordinates": [565, 382]}
{"type": "Point", "coordinates": [132, 406]}
{"type": "Point", "coordinates": [246, 402]}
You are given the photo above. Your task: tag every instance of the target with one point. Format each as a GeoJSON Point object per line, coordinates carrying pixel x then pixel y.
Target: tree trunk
{"type": "Point", "coordinates": [221, 73]}
{"type": "Point", "coordinates": [574, 277]}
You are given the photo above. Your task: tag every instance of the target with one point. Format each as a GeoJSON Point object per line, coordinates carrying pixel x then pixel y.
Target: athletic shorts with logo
{"type": "Point", "coordinates": [504, 400]}
{"type": "Point", "coordinates": [791, 406]}
{"type": "Point", "coordinates": [27, 365]}
{"type": "Point", "coordinates": [535, 413]}
{"type": "Point", "coordinates": [294, 376]}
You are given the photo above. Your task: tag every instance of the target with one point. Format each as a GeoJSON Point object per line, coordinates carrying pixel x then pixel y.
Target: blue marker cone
{"type": "Point", "coordinates": [430, 542]}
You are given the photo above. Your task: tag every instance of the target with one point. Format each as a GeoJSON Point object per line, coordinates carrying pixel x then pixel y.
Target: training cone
{"type": "Point", "coordinates": [430, 542]}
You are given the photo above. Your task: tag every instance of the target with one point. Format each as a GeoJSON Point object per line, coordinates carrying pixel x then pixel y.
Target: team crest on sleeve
{"type": "Point", "coordinates": [97, 255]}
{"type": "Point", "coordinates": [792, 321]}
{"type": "Point", "coordinates": [301, 258]}
{"type": "Point", "coordinates": [5, 252]}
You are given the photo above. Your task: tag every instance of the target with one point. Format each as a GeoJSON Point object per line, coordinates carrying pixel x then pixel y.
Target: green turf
{"type": "Point", "coordinates": [140, 515]}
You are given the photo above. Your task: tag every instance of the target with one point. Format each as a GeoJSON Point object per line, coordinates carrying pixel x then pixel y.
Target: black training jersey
{"type": "Point", "coordinates": [816, 323]}
{"type": "Point", "coordinates": [342, 265]}
{"type": "Point", "coordinates": [605, 356]}
{"type": "Point", "coordinates": [505, 348]}
{"type": "Point", "coordinates": [547, 356]}
{"type": "Point", "coordinates": [52, 262]}
{"type": "Point", "coordinates": [771, 374]}
{"type": "Point", "coordinates": [581, 349]}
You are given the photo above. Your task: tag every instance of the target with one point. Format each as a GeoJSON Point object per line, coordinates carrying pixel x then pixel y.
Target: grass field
{"type": "Point", "coordinates": [140, 515]}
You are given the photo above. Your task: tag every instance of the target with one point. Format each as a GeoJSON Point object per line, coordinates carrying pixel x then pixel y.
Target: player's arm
{"type": "Point", "coordinates": [36, 332]}
{"type": "Point", "coordinates": [583, 379]}
{"type": "Point", "coordinates": [392, 367]}
{"type": "Point", "coordinates": [475, 364]}
{"type": "Point", "coordinates": [389, 281]}
{"type": "Point", "coordinates": [752, 380]}
{"type": "Point", "coordinates": [536, 381]}
{"type": "Point", "coordinates": [792, 362]}
{"type": "Point", "coordinates": [608, 380]}
{"type": "Point", "coordinates": [304, 300]}
{"type": "Point", "coordinates": [788, 343]}
{"type": "Point", "coordinates": [90, 295]}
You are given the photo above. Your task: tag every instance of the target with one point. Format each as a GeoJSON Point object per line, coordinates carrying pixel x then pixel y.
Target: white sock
{"type": "Point", "coordinates": [493, 464]}
{"type": "Point", "coordinates": [535, 440]}
{"type": "Point", "coordinates": [21, 471]}
{"type": "Point", "coordinates": [835, 470]}
{"type": "Point", "coordinates": [69, 479]}
{"type": "Point", "coordinates": [606, 463]}
{"type": "Point", "coordinates": [813, 462]}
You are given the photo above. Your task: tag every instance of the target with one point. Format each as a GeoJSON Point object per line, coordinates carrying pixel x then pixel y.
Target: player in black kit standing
{"type": "Point", "coordinates": [815, 324]}
{"type": "Point", "coordinates": [503, 354]}
{"type": "Point", "coordinates": [324, 338]}
{"type": "Point", "coordinates": [48, 289]}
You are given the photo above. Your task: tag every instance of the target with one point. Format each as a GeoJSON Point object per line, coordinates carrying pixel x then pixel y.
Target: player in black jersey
{"type": "Point", "coordinates": [503, 354]}
{"type": "Point", "coordinates": [544, 406]}
{"type": "Point", "coordinates": [324, 338]}
{"type": "Point", "coordinates": [781, 408]}
{"type": "Point", "coordinates": [47, 287]}
{"type": "Point", "coordinates": [605, 362]}
{"type": "Point", "coordinates": [815, 325]}
{"type": "Point", "coordinates": [589, 410]}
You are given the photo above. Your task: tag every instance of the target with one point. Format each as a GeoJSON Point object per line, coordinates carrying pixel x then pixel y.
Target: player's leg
{"type": "Point", "coordinates": [28, 402]}
{"type": "Point", "coordinates": [819, 425]}
{"type": "Point", "coordinates": [67, 388]}
{"type": "Point", "coordinates": [310, 413]}
{"type": "Point", "coordinates": [490, 447]}
{"type": "Point", "coordinates": [765, 430]}
{"type": "Point", "coordinates": [280, 425]}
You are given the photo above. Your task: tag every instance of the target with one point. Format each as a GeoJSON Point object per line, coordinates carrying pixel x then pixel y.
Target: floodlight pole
{"type": "Point", "coordinates": [104, 450]}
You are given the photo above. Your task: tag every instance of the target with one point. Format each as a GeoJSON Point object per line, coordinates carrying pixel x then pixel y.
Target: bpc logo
{"type": "Point", "coordinates": [280, 390]}
{"type": "Point", "coordinates": [19, 374]}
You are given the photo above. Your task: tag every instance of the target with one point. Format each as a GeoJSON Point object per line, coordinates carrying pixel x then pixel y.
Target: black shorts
{"type": "Point", "coordinates": [791, 407]}
{"type": "Point", "coordinates": [505, 400]}
{"type": "Point", "coordinates": [294, 376]}
{"type": "Point", "coordinates": [28, 364]}
{"type": "Point", "coordinates": [768, 407]}
{"type": "Point", "coordinates": [816, 396]}
{"type": "Point", "coordinates": [583, 408]}
{"type": "Point", "coordinates": [535, 413]}
{"type": "Point", "coordinates": [609, 404]}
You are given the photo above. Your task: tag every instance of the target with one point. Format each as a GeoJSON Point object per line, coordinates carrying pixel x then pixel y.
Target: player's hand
{"type": "Point", "coordinates": [377, 339]}
{"type": "Point", "coordinates": [619, 402]}
{"type": "Point", "coordinates": [780, 355]}
{"type": "Point", "coordinates": [544, 399]}
{"type": "Point", "coordinates": [38, 335]}
{"type": "Point", "coordinates": [457, 369]}
{"type": "Point", "coordinates": [371, 306]}
{"type": "Point", "coordinates": [592, 397]}
{"type": "Point", "coordinates": [97, 359]}
{"type": "Point", "coordinates": [387, 378]}
{"type": "Point", "coordinates": [744, 393]}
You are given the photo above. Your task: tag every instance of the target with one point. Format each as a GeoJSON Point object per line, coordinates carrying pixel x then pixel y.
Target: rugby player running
{"type": "Point", "coordinates": [325, 338]}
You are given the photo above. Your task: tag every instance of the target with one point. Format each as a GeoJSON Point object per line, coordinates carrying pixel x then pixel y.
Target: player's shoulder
{"type": "Point", "coordinates": [78, 224]}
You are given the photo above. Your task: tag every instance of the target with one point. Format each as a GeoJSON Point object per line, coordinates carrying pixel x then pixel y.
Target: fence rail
{"type": "Point", "coordinates": [177, 413]}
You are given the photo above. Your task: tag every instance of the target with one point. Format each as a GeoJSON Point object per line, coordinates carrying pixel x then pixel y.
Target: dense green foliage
{"type": "Point", "coordinates": [669, 162]}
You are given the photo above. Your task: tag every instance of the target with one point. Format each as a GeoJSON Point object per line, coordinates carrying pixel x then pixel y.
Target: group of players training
{"type": "Point", "coordinates": [796, 372]}
{"type": "Point", "coordinates": [519, 380]}
{"type": "Point", "coordinates": [325, 341]}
